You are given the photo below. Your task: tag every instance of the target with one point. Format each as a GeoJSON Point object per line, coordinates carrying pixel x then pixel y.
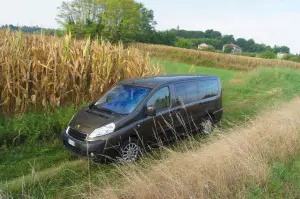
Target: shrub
{"type": "Point", "coordinates": [183, 43]}
{"type": "Point", "coordinates": [228, 49]}
{"type": "Point", "coordinates": [268, 55]}
{"type": "Point", "coordinates": [291, 57]}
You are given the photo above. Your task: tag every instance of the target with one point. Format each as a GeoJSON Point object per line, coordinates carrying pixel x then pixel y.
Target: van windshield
{"type": "Point", "coordinates": [122, 99]}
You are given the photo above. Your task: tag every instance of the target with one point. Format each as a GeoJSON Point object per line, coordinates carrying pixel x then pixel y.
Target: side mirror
{"type": "Point", "coordinates": [151, 111]}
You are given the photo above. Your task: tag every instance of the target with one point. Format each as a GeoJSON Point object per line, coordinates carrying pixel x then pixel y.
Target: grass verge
{"type": "Point", "coordinates": [283, 180]}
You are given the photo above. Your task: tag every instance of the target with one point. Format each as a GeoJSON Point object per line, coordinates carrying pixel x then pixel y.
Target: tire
{"type": "Point", "coordinates": [207, 125]}
{"type": "Point", "coordinates": [130, 151]}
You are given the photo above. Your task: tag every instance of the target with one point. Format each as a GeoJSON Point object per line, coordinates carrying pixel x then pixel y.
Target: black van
{"type": "Point", "coordinates": [139, 113]}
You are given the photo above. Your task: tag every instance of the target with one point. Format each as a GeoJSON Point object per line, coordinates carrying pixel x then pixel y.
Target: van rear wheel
{"type": "Point", "coordinates": [130, 151]}
{"type": "Point", "coordinates": [207, 125]}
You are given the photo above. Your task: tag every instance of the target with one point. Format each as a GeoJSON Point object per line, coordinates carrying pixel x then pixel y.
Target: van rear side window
{"type": "Point", "coordinates": [189, 92]}
{"type": "Point", "coordinates": [208, 88]}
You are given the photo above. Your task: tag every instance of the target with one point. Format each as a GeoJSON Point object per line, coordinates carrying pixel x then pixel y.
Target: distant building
{"type": "Point", "coordinates": [281, 55]}
{"type": "Point", "coordinates": [202, 46]}
{"type": "Point", "coordinates": [235, 48]}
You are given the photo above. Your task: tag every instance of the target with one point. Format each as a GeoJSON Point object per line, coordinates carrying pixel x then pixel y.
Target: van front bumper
{"type": "Point", "coordinates": [90, 149]}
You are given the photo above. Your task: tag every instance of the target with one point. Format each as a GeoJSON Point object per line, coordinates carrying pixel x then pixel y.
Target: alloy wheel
{"type": "Point", "coordinates": [130, 152]}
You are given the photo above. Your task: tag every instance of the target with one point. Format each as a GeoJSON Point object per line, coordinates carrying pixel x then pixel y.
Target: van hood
{"type": "Point", "coordinates": [87, 120]}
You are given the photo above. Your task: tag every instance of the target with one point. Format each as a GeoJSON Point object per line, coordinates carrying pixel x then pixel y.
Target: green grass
{"type": "Point", "coordinates": [283, 182]}
{"type": "Point", "coordinates": [47, 167]}
{"type": "Point", "coordinates": [21, 160]}
{"type": "Point", "coordinates": [181, 68]}
{"type": "Point", "coordinates": [35, 126]}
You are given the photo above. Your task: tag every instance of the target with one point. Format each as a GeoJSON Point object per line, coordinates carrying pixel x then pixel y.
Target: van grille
{"type": "Point", "coordinates": [77, 135]}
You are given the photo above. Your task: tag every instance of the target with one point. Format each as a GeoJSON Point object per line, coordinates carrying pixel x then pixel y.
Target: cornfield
{"type": "Point", "coordinates": [211, 59]}
{"type": "Point", "coordinates": [38, 72]}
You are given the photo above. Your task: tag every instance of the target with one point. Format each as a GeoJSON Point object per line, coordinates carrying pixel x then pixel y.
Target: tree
{"type": "Point", "coordinates": [163, 37]}
{"type": "Point", "coordinates": [213, 34]}
{"type": "Point", "coordinates": [285, 49]}
{"type": "Point", "coordinates": [228, 49]}
{"type": "Point", "coordinates": [188, 34]}
{"type": "Point", "coordinates": [281, 49]}
{"type": "Point", "coordinates": [241, 42]}
{"type": "Point", "coordinates": [121, 20]}
{"type": "Point", "coordinates": [147, 25]}
{"type": "Point", "coordinates": [114, 20]}
{"type": "Point", "coordinates": [81, 17]}
{"type": "Point", "coordinates": [227, 39]}
{"type": "Point", "coordinates": [250, 45]}
{"type": "Point", "coordinates": [257, 48]}
{"type": "Point", "coordinates": [183, 43]}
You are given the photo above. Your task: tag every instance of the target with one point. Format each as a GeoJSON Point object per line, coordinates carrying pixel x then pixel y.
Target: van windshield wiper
{"type": "Point", "coordinates": [93, 106]}
{"type": "Point", "coordinates": [105, 110]}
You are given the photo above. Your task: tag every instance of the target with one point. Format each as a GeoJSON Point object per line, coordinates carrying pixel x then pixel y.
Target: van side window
{"type": "Point", "coordinates": [191, 91]}
{"type": "Point", "coordinates": [186, 92]}
{"type": "Point", "coordinates": [180, 93]}
{"type": "Point", "coordinates": [208, 88]}
{"type": "Point", "coordinates": [161, 99]}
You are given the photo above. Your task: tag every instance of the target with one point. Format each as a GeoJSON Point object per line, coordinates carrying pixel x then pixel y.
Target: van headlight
{"type": "Point", "coordinates": [104, 130]}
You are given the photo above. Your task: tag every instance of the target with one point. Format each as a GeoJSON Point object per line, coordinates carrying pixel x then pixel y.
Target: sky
{"type": "Point", "coordinates": [266, 21]}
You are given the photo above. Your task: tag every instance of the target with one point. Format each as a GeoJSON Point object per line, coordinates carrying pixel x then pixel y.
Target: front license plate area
{"type": "Point", "coordinates": [71, 142]}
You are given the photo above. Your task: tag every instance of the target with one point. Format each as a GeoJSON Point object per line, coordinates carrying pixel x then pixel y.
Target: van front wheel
{"type": "Point", "coordinates": [130, 150]}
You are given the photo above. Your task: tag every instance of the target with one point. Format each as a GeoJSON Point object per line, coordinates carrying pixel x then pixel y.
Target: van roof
{"type": "Point", "coordinates": [155, 81]}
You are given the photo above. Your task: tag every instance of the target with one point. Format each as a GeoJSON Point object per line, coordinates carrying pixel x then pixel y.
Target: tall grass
{"type": "Point", "coordinates": [211, 59]}
{"type": "Point", "coordinates": [37, 71]}
{"type": "Point", "coordinates": [225, 168]}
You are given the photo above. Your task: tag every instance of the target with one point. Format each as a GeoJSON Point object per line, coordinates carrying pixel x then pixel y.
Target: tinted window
{"type": "Point", "coordinates": [186, 92]}
{"type": "Point", "coordinates": [208, 88]}
{"type": "Point", "coordinates": [191, 91]}
{"type": "Point", "coordinates": [160, 99]}
{"type": "Point", "coordinates": [180, 92]}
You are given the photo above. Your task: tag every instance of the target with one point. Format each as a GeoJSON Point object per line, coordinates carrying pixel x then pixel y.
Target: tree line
{"type": "Point", "coordinates": [32, 29]}
{"type": "Point", "coordinates": [191, 39]}
{"type": "Point", "coordinates": [130, 21]}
